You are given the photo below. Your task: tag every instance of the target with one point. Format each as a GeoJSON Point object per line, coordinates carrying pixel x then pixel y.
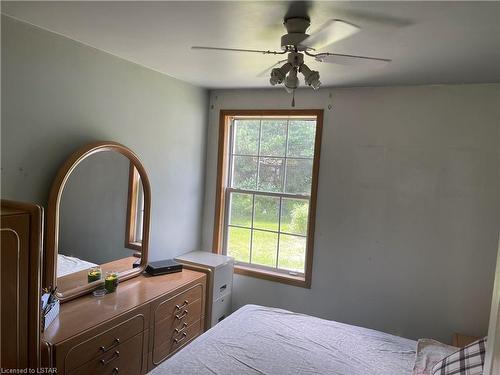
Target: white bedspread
{"type": "Point", "coordinates": [67, 265]}
{"type": "Point", "coordinates": [262, 340]}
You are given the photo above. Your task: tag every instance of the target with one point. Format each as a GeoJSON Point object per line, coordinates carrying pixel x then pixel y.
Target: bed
{"type": "Point", "coordinates": [67, 264]}
{"type": "Point", "coordinates": [263, 340]}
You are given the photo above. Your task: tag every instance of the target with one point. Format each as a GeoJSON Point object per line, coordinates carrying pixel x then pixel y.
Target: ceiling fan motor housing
{"type": "Point", "coordinates": [296, 28]}
{"type": "Point", "coordinates": [295, 59]}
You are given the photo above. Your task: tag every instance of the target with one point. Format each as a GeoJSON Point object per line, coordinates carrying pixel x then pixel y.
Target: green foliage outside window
{"type": "Point", "coordinates": [271, 155]}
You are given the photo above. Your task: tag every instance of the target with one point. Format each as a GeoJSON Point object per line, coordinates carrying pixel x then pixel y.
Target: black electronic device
{"type": "Point", "coordinates": [162, 267]}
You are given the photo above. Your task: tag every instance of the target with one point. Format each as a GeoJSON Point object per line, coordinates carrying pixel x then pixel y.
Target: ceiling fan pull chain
{"type": "Point", "coordinates": [293, 98]}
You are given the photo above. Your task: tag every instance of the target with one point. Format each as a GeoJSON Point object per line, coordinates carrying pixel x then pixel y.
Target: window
{"type": "Point", "coordinates": [135, 211]}
{"type": "Point", "coordinates": [266, 192]}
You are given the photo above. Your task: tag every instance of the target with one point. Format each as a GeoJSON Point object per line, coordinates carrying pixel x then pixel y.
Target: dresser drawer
{"type": "Point", "coordinates": [126, 358]}
{"type": "Point", "coordinates": [178, 304]}
{"type": "Point", "coordinates": [104, 343]}
{"type": "Point", "coordinates": [182, 338]}
{"type": "Point", "coordinates": [176, 341]}
{"type": "Point", "coordinates": [173, 324]}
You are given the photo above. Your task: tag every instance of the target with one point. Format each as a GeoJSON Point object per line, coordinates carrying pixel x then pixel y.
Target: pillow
{"type": "Point", "coordinates": [430, 352]}
{"type": "Point", "coordinates": [467, 361]}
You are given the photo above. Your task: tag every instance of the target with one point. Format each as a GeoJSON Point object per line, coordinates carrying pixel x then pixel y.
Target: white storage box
{"type": "Point", "coordinates": [50, 315]}
{"type": "Point", "coordinates": [222, 268]}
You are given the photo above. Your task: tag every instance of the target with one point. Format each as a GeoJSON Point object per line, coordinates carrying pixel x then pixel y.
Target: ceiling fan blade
{"type": "Point", "coordinates": [239, 50]}
{"type": "Point", "coordinates": [265, 71]}
{"type": "Point", "coordinates": [374, 20]}
{"type": "Point", "coordinates": [336, 58]}
{"type": "Point", "coordinates": [332, 31]}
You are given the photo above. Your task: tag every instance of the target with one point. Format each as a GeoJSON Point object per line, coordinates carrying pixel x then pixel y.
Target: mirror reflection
{"type": "Point", "coordinates": [100, 220]}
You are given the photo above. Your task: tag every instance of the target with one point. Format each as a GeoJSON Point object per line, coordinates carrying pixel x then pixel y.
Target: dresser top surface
{"type": "Point", "coordinates": [86, 312]}
{"type": "Point", "coordinates": [6, 211]}
{"type": "Point", "coordinates": [8, 207]}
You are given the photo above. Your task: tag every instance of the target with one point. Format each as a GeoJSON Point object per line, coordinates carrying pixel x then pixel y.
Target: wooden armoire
{"type": "Point", "coordinates": [20, 284]}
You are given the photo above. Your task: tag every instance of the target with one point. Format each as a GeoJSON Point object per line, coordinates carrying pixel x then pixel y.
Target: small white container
{"type": "Point", "coordinates": [222, 269]}
{"type": "Point", "coordinates": [51, 314]}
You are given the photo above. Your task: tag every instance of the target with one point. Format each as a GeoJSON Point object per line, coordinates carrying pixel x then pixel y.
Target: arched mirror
{"type": "Point", "coordinates": [97, 219]}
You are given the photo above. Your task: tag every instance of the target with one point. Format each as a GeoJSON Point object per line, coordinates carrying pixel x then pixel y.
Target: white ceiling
{"type": "Point", "coordinates": [429, 42]}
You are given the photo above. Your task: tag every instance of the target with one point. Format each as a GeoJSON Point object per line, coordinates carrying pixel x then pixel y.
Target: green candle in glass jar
{"type": "Point", "coordinates": [94, 274]}
{"type": "Point", "coordinates": [111, 282]}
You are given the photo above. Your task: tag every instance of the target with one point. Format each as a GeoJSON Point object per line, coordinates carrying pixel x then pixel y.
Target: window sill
{"type": "Point", "coordinates": [300, 281]}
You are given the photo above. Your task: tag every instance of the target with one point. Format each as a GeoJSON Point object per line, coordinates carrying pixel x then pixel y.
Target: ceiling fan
{"type": "Point", "coordinates": [296, 43]}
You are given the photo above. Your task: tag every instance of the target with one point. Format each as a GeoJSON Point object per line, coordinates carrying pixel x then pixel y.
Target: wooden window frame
{"type": "Point", "coordinates": [220, 199]}
{"type": "Point", "coordinates": [130, 228]}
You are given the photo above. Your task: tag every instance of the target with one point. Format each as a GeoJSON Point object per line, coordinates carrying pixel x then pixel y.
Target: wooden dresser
{"type": "Point", "coordinates": [130, 331]}
{"type": "Point", "coordinates": [20, 276]}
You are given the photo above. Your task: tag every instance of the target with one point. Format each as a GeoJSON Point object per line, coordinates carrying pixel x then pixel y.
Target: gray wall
{"type": "Point", "coordinates": [408, 207]}
{"type": "Point", "coordinates": [93, 210]}
{"type": "Point", "coordinates": [58, 95]}
{"type": "Point", "coordinates": [409, 201]}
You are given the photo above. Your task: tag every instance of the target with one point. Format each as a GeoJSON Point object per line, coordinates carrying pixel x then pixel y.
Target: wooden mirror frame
{"type": "Point", "coordinates": [52, 241]}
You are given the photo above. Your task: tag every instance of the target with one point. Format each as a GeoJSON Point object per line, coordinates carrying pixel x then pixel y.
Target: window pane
{"type": "Point", "coordinates": [264, 245]}
{"type": "Point", "coordinates": [294, 216]}
{"type": "Point", "coordinates": [270, 166]}
{"type": "Point", "coordinates": [240, 209]}
{"type": "Point", "coordinates": [271, 174]}
{"type": "Point", "coordinates": [238, 244]}
{"type": "Point", "coordinates": [246, 134]}
{"type": "Point", "coordinates": [298, 176]}
{"type": "Point", "coordinates": [244, 172]}
{"type": "Point", "coordinates": [273, 138]}
{"type": "Point", "coordinates": [292, 253]}
{"type": "Point", "coordinates": [301, 135]}
{"type": "Point", "coordinates": [266, 212]}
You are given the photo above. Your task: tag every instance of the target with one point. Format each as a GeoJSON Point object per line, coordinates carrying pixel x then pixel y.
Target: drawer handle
{"type": "Point", "coordinates": [104, 350]}
{"type": "Point", "coordinates": [180, 307]}
{"type": "Point", "coordinates": [113, 357]}
{"type": "Point", "coordinates": [184, 325]}
{"type": "Point", "coordinates": [182, 338]}
{"type": "Point", "coordinates": [115, 370]}
{"type": "Point", "coordinates": [181, 316]}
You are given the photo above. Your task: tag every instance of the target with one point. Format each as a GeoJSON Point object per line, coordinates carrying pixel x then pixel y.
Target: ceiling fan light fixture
{"type": "Point", "coordinates": [297, 44]}
{"type": "Point", "coordinates": [292, 81]}
{"type": "Point", "coordinates": [311, 77]}
{"type": "Point", "coordinates": [278, 75]}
